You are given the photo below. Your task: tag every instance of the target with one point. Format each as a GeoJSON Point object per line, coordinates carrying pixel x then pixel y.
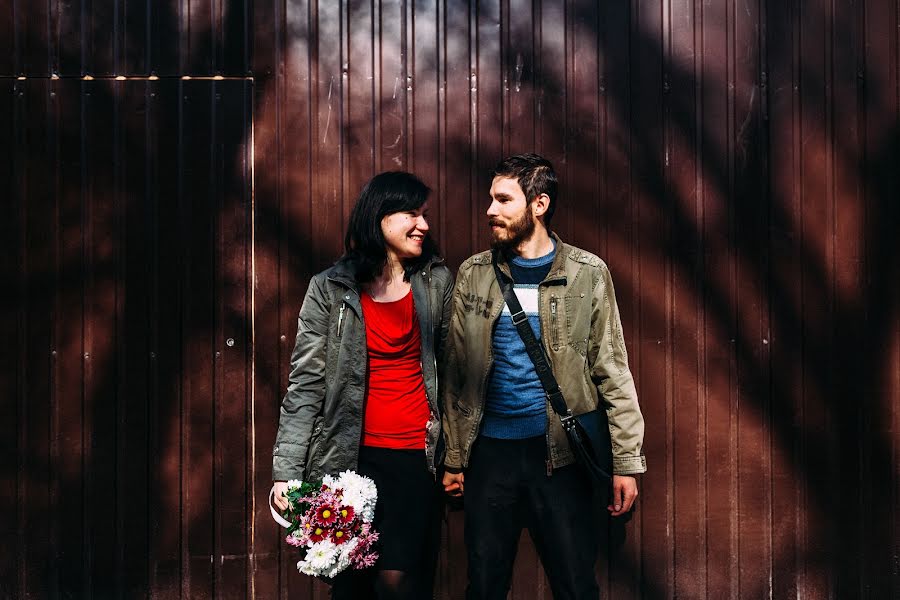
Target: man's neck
{"type": "Point", "coordinates": [537, 245]}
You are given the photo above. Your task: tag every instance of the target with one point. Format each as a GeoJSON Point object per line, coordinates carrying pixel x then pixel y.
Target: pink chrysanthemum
{"type": "Point", "coordinates": [362, 555]}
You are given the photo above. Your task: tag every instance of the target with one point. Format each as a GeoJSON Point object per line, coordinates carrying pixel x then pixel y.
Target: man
{"type": "Point", "coordinates": [507, 453]}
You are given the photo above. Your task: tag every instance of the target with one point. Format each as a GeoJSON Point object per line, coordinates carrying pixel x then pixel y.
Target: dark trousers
{"type": "Point", "coordinates": [506, 489]}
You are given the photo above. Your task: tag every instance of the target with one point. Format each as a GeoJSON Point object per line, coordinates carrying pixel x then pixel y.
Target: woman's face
{"type": "Point", "coordinates": [404, 232]}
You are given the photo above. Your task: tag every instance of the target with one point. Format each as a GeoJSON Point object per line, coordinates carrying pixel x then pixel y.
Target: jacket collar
{"type": "Point", "coordinates": [558, 268]}
{"type": "Point", "coordinates": [557, 273]}
{"type": "Point", "coordinates": [343, 272]}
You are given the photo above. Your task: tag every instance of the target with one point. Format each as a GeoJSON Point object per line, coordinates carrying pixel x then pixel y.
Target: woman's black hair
{"type": "Point", "coordinates": [364, 245]}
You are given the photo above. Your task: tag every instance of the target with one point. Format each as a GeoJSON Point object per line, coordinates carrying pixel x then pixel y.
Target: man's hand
{"type": "Point", "coordinates": [453, 484]}
{"type": "Point", "coordinates": [280, 501]}
{"type": "Point", "coordinates": [624, 493]}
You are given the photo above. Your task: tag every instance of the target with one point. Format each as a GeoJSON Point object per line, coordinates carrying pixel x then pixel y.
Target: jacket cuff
{"type": "Point", "coordinates": [288, 462]}
{"type": "Point", "coordinates": [452, 462]}
{"type": "Point", "coordinates": [629, 465]}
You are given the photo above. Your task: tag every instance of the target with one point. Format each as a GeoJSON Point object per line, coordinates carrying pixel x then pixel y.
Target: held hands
{"type": "Point", "coordinates": [453, 484]}
{"type": "Point", "coordinates": [624, 493]}
{"type": "Point", "coordinates": [280, 501]}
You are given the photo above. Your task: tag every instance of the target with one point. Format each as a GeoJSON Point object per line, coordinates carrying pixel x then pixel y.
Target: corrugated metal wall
{"type": "Point", "coordinates": [174, 172]}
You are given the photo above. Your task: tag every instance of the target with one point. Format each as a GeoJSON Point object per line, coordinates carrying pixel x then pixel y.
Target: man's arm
{"type": "Point", "coordinates": [615, 385]}
{"type": "Point", "coordinates": [451, 369]}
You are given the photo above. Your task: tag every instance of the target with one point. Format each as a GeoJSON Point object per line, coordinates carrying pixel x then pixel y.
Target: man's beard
{"type": "Point", "coordinates": [517, 232]}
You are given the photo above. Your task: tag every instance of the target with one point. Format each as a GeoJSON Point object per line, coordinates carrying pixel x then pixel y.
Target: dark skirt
{"type": "Point", "coordinates": [407, 518]}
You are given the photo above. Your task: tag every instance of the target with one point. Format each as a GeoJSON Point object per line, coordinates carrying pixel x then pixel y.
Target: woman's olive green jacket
{"type": "Point", "coordinates": [320, 427]}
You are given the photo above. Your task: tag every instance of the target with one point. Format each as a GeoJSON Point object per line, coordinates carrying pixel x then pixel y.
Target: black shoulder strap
{"type": "Point", "coordinates": [532, 345]}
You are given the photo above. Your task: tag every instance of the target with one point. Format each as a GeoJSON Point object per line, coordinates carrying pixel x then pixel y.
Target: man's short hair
{"type": "Point", "coordinates": [535, 176]}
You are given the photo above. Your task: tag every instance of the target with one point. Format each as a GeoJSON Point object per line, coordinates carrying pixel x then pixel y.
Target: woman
{"type": "Point", "coordinates": [363, 385]}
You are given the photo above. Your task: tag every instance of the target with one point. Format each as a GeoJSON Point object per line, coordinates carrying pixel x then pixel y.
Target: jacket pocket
{"type": "Point", "coordinates": [578, 320]}
{"type": "Point", "coordinates": [315, 442]}
{"type": "Point", "coordinates": [462, 408]}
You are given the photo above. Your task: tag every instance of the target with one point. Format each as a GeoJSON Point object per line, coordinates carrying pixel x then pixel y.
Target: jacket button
{"type": "Point", "coordinates": [347, 297]}
{"type": "Point", "coordinates": [276, 448]}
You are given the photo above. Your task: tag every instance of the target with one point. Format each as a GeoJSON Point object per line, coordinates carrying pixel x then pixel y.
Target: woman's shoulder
{"type": "Point", "coordinates": [341, 271]}
{"type": "Point", "coordinates": [332, 280]}
{"type": "Point", "coordinates": [441, 273]}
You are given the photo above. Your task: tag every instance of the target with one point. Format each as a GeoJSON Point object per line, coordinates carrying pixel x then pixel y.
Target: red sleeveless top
{"type": "Point", "coordinates": [396, 408]}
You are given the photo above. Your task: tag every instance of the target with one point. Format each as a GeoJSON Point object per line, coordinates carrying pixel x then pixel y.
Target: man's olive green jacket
{"type": "Point", "coordinates": [582, 335]}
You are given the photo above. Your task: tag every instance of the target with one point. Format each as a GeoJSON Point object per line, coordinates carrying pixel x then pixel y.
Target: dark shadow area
{"type": "Point", "coordinates": [128, 257]}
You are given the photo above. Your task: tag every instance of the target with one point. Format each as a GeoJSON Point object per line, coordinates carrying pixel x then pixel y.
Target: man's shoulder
{"type": "Point", "coordinates": [582, 257]}
{"type": "Point", "coordinates": [477, 260]}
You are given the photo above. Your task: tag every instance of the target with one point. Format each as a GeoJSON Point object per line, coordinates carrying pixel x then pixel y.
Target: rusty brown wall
{"type": "Point", "coordinates": [174, 172]}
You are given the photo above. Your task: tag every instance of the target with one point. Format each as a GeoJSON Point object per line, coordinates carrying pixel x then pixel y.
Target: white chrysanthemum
{"type": "Point", "coordinates": [346, 548]}
{"type": "Point", "coordinates": [342, 558]}
{"type": "Point", "coordinates": [294, 483]}
{"type": "Point", "coordinates": [319, 559]}
{"type": "Point", "coordinates": [360, 493]}
{"type": "Point", "coordinates": [329, 481]}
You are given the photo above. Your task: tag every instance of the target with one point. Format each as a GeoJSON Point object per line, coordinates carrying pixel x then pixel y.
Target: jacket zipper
{"type": "Point", "coordinates": [426, 278]}
{"type": "Point", "coordinates": [341, 318]}
{"type": "Point", "coordinates": [550, 412]}
{"type": "Point", "coordinates": [437, 394]}
{"type": "Point", "coordinates": [553, 321]}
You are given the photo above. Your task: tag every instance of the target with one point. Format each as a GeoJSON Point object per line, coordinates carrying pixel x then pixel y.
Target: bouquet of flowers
{"type": "Point", "coordinates": [331, 523]}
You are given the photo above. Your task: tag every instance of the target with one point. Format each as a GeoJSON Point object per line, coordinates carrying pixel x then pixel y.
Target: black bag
{"type": "Point", "coordinates": [589, 439]}
{"type": "Point", "coordinates": [588, 433]}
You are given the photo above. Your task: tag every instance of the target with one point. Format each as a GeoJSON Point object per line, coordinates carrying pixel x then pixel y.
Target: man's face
{"type": "Point", "coordinates": [509, 214]}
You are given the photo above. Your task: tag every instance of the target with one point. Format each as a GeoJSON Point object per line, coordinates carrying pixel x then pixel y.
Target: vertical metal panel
{"type": "Point", "coordinates": [457, 144]}
{"type": "Point", "coordinates": [735, 165]}
{"type": "Point", "coordinates": [817, 299]}
{"type": "Point", "coordinates": [684, 146]}
{"type": "Point", "coordinates": [487, 84]}
{"type": "Point", "coordinates": [425, 127]}
{"type": "Point", "coordinates": [751, 372]}
{"type": "Point", "coordinates": [780, 49]}
{"type": "Point", "coordinates": [642, 270]}
{"type": "Point", "coordinates": [721, 493]}
{"type": "Point", "coordinates": [360, 82]}
{"type": "Point", "coordinates": [234, 409]}
{"type": "Point", "coordinates": [11, 354]}
{"type": "Point", "coordinates": [166, 396]}
{"type": "Point", "coordinates": [878, 91]}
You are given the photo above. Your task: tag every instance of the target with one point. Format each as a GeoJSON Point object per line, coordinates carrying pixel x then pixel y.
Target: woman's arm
{"type": "Point", "coordinates": [306, 388]}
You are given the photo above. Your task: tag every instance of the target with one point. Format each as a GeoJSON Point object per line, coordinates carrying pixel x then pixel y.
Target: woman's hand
{"type": "Point", "coordinates": [280, 501]}
{"type": "Point", "coordinates": [453, 484]}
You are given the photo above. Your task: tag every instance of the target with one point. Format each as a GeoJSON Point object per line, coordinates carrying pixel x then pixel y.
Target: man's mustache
{"type": "Point", "coordinates": [496, 223]}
